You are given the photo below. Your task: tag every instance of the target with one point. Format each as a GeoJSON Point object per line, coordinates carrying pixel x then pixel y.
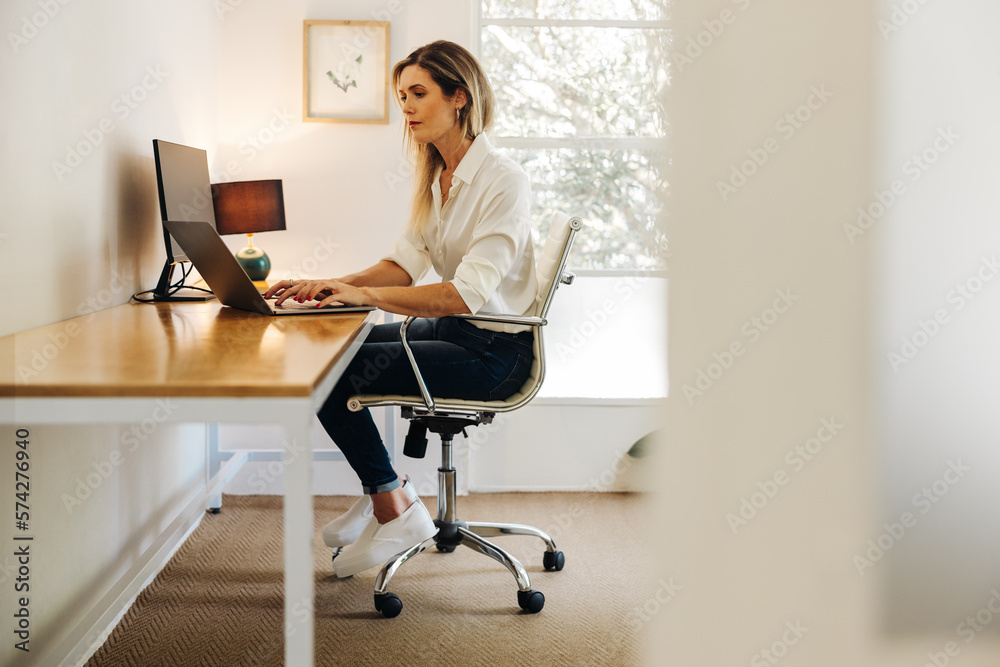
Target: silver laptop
{"type": "Point", "coordinates": [230, 283]}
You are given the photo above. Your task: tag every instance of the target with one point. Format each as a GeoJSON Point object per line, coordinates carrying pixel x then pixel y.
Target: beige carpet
{"type": "Point", "coordinates": [219, 600]}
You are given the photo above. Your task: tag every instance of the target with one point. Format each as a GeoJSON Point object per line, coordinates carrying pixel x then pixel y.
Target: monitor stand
{"type": "Point", "coordinates": [163, 291]}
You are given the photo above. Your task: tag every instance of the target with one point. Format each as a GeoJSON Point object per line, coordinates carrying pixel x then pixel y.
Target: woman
{"type": "Point", "coordinates": [469, 221]}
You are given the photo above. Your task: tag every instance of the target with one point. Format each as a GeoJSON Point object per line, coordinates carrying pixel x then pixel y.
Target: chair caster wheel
{"type": "Point", "coordinates": [445, 548]}
{"type": "Point", "coordinates": [553, 560]}
{"type": "Point", "coordinates": [531, 600]}
{"type": "Point", "coordinates": [214, 510]}
{"type": "Point", "coordinates": [389, 604]}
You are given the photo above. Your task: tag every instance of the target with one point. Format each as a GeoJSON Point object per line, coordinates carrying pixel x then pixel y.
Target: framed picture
{"type": "Point", "coordinates": [345, 71]}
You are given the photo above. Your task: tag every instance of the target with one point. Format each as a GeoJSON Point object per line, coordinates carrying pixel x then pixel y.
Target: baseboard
{"type": "Point", "coordinates": [531, 489]}
{"type": "Point", "coordinates": [81, 642]}
{"type": "Point", "coordinates": [591, 401]}
{"type": "Point", "coordinates": [106, 632]}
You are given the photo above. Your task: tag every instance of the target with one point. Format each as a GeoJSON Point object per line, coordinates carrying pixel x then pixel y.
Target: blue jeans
{"type": "Point", "coordinates": [457, 360]}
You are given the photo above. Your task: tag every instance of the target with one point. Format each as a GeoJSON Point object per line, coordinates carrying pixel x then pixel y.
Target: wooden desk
{"type": "Point", "coordinates": [216, 364]}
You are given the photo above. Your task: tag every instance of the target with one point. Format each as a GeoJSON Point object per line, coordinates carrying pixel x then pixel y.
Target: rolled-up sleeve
{"type": "Point", "coordinates": [500, 238]}
{"type": "Point", "coordinates": [411, 255]}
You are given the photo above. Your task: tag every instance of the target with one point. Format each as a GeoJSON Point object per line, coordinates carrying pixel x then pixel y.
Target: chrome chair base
{"type": "Point", "coordinates": [453, 532]}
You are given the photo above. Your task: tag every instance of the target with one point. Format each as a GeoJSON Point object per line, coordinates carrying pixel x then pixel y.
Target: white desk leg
{"type": "Point", "coordinates": [298, 515]}
{"type": "Point", "coordinates": [214, 462]}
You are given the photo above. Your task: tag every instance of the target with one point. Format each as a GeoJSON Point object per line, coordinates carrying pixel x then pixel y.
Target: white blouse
{"type": "Point", "coordinates": [480, 240]}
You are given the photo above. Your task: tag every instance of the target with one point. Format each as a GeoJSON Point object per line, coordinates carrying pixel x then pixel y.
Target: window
{"type": "Point", "coordinates": [580, 88]}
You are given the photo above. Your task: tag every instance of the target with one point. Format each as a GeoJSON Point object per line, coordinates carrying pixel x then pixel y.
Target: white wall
{"type": "Point", "coordinates": [607, 339]}
{"type": "Point", "coordinates": [937, 312]}
{"type": "Point", "coordinates": [99, 80]}
{"type": "Point", "coordinates": [346, 198]}
{"type": "Point", "coordinates": [84, 238]}
{"type": "Point", "coordinates": [334, 174]}
{"type": "Point", "coordinates": [785, 587]}
{"type": "Point", "coordinates": [563, 445]}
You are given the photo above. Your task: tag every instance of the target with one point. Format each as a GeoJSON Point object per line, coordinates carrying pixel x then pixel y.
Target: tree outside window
{"type": "Point", "coordinates": [580, 89]}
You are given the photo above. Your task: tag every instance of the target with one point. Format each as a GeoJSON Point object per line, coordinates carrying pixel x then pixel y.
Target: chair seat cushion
{"type": "Point", "coordinates": [509, 403]}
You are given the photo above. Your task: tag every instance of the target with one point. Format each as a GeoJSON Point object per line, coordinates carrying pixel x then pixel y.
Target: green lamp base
{"type": "Point", "coordinates": [255, 262]}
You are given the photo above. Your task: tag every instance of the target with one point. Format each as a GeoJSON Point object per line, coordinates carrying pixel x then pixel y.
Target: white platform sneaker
{"type": "Point", "coordinates": [346, 528]}
{"type": "Point", "coordinates": [380, 541]}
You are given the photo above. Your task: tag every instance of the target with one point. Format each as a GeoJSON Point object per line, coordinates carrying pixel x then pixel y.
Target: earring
{"type": "Point", "coordinates": [458, 114]}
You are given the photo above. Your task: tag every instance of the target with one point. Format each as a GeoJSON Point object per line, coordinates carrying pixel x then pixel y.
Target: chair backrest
{"type": "Point", "coordinates": [552, 263]}
{"type": "Point", "coordinates": [550, 271]}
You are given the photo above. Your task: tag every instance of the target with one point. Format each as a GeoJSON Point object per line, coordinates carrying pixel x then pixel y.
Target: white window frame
{"type": "Point", "coordinates": [548, 143]}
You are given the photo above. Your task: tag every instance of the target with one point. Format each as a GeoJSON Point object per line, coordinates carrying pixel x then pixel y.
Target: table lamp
{"type": "Point", "coordinates": [249, 207]}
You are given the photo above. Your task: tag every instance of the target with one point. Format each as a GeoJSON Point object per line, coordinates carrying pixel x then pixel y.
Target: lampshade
{"type": "Point", "coordinates": [248, 207]}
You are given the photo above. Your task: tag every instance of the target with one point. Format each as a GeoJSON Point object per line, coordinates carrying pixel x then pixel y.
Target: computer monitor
{"type": "Point", "coordinates": [185, 194]}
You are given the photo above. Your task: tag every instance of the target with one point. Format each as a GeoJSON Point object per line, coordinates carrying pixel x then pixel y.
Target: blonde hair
{"type": "Point", "coordinates": [453, 68]}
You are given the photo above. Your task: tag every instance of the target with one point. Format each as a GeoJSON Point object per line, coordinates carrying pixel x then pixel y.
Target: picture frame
{"type": "Point", "coordinates": [345, 71]}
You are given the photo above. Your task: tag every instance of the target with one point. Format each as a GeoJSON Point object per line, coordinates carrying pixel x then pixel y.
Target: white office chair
{"type": "Point", "coordinates": [448, 417]}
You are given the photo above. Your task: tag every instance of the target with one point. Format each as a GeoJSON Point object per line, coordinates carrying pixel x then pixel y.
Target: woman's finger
{"type": "Point", "coordinates": [315, 289]}
{"type": "Point", "coordinates": [279, 286]}
{"type": "Point", "coordinates": [326, 301]}
{"type": "Point", "coordinates": [304, 292]}
{"type": "Point", "coordinates": [287, 292]}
